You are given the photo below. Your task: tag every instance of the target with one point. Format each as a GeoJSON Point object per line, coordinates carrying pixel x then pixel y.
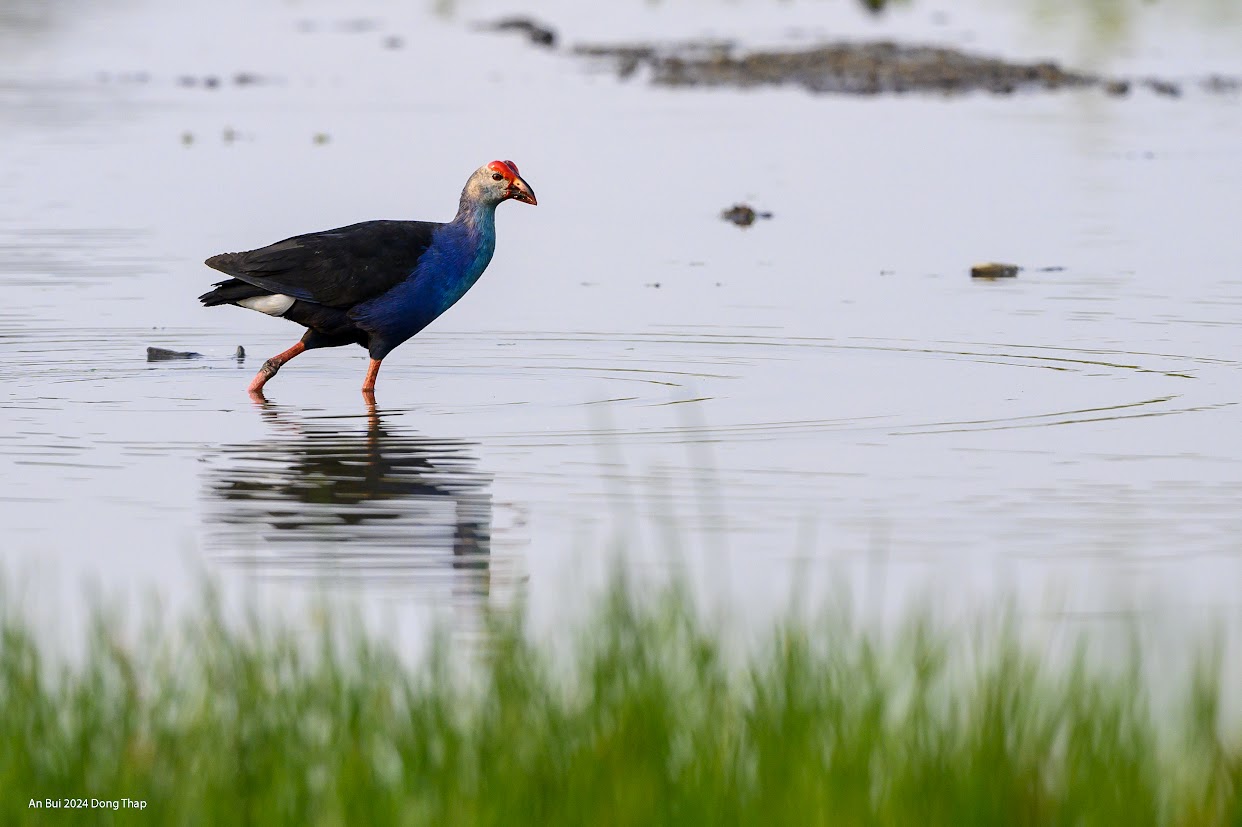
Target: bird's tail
{"type": "Point", "coordinates": [231, 291]}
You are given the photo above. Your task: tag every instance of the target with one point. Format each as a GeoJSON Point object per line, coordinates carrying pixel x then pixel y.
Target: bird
{"type": "Point", "coordinates": [375, 284]}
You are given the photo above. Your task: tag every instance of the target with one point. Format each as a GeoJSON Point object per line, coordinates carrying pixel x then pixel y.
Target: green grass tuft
{"type": "Point", "coordinates": [650, 720]}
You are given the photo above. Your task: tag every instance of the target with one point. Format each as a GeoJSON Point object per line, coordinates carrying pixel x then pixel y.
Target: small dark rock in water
{"type": "Point", "coordinates": [536, 32]}
{"type": "Point", "coordinates": [241, 353]}
{"type": "Point", "coordinates": [209, 82]}
{"type": "Point", "coordinates": [993, 270]}
{"type": "Point", "coordinates": [743, 215]}
{"type": "Point", "coordinates": [1117, 88]}
{"type": "Point", "coordinates": [1163, 87]}
{"type": "Point", "coordinates": [159, 354]}
{"type": "Point", "coordinates": [1220, 84]}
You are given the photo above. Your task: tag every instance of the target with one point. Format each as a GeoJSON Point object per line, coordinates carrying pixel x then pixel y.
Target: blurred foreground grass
{"type": "Point", "coordinates": [649, 719]}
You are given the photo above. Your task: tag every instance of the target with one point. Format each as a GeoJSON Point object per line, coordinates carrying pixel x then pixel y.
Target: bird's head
{"type": "Point", "coordinates": [499, 181]}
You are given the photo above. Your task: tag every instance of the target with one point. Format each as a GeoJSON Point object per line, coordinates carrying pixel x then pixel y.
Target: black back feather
{"type": "Point", "coordinates": [231, 291]}
{"type": "Point", "coordinates": [338, 268]}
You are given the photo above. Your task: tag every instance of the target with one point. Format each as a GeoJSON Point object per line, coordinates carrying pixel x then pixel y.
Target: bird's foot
{"type": "Point", "coordinates": [269, 369]}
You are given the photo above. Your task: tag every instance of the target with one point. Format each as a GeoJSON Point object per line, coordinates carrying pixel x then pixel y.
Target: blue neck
{"type": "Point", "coordinates": [475, 225]}
{"type": "Point", "coordinates": [479, 218]}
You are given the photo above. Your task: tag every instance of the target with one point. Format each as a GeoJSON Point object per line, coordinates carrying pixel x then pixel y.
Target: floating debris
{"type": "Point", "coordinates": [320, 138]}
{"type": "Point", "coordinates": [1222, 85]}
{"type": "Point", "coordinates": [159, 354]}
{"type": "Point", "coordinates": [994, 270]}
{"type": "Point", "coordinates": [1165, 88]}
{"type": "Point", "coordinates": [743, 215]}
{"type": "Point", "coordinates": [536, 32]}
{"type": "Point", "coordinates": [207, 82]}
{"type": "Point", "coordinates": [1117, 88]}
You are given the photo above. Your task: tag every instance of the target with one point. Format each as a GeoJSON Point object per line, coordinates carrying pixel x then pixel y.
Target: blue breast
{"type": "Point", "coordinates": [458, 255]}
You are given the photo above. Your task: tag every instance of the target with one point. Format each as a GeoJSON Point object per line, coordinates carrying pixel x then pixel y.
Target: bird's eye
{"type": "Point", "coordinates": [496, 176]}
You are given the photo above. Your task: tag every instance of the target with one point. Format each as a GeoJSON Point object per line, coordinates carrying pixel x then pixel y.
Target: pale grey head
{"type": "Point", "coordinates": [496, 182]}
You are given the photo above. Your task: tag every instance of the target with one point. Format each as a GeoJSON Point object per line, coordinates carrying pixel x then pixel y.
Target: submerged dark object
{"type": "Point", "coordinates": [994, 270]}
{"type": "Point", "coordinates": [1165, 88]}
{"type": "Point", "coordinates": [743, 215]}
{"type": "Point", "coordinates": [159, 354]}
{"type": "Point", "coordinates": [1117, 88]}
{"type": "Point", "coordinates": [536, 32]}
{"type": "Point", "coordinates": [1222, 84]}
{"type": "Point", "coordinates": [373, 284]}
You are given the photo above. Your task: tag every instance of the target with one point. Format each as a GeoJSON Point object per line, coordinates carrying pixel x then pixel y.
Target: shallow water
{"type": "Point", "coordinates": [824, 395]}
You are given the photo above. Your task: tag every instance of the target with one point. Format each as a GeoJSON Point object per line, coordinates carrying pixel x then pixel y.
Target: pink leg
{"type": "Point", "coordinates": [271, 366]}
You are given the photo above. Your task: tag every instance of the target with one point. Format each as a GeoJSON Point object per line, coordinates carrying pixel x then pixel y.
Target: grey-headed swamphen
{"type": "Point", "coordinates": [375, 284]}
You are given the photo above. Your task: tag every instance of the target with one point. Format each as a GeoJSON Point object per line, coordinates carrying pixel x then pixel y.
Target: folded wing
{"type": "Point", "coordinates": [337, 268]}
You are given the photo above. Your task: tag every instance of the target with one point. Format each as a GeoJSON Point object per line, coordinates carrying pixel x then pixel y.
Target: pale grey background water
{"type": "Point", "coordinates": [823, 397]}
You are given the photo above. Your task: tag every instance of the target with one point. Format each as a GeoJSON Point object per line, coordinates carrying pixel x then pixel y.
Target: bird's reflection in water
{"type": "Point", "coordinates": [343, 498]}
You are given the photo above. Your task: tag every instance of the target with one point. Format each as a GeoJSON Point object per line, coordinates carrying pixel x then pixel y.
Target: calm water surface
{"type": "Point", "coordinates": [826, 396]}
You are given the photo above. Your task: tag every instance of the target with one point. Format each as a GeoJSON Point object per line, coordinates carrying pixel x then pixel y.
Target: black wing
{"type": "Point", "coordinates": [338, 268]}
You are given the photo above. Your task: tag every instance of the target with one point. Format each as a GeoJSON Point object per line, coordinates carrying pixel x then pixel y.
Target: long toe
{"type": "Point", "coordinates": [260, 379]}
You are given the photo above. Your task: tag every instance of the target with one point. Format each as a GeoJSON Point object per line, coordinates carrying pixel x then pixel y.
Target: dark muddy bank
{"type": "Point", "coordinates": [862, 69]}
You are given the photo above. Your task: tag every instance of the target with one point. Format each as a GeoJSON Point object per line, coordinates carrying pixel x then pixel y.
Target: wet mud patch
{"type": "Point", "coordinates": [870, 68]}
